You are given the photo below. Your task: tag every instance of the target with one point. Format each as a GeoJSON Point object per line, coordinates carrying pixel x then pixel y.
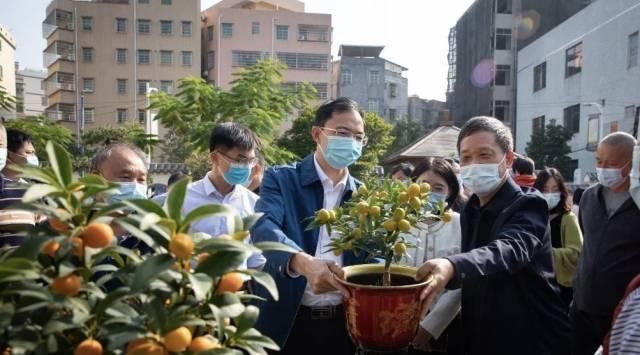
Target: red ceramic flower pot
{"type": "Point", "coordinates": [379, 318]}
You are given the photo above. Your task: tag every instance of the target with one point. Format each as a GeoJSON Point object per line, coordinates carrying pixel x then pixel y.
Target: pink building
{"type": "Point", "coordinates": [238, 33]}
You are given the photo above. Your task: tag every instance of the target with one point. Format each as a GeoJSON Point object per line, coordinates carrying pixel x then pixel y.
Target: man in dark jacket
{"type": "Point", "coordinates": [611, 252]}
{"type": "Point", "coordinates": [510, 300]}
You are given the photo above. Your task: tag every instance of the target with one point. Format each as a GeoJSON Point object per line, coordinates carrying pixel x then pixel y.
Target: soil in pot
{"type": "Point", "coordinates": [375, 279]}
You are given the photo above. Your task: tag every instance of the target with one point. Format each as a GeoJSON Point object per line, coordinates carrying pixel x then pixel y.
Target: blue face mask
{"type": "Point", "coordinates": [436, 197]}
{"type": "Point", "coordinates": [238, 174]}
{"type": "Point", "coordinates": [342, 152]}
{"type": "Point", "coordinates": [128, 191]}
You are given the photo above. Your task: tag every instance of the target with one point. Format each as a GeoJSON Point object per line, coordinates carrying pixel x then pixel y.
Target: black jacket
{"type": "Point", "coordinates": [610, 253]}
{"type": "Point", "coordinates": [510, 300]}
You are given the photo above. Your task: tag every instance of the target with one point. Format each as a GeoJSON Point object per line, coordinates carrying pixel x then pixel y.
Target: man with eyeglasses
{"type": "Point", "coordinates": [232, 152]}
{"type": "Point", "coordinates": [308, 318]}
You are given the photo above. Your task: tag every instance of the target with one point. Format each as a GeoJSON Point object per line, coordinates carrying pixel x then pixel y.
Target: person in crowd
{"type": "Point", "coordinates": [523, 171]}
{"type": "Point", "coordinates": [611, 252]}
{"type": "Point", "coordinates": [510, 299]}
{"type": "Point", "coordinates": [232, 153]}
{"type": "Point", "coordinates": [173, 178]}
{"type": "Point", "coordinates": [436, 333]}
{"type": "Point", "coordinates": [13, 223]}
{"type": "Point", "coordinates": [577, 195]}
{"type": "Point", "coordinates": [566, 236]}
{"type": "Point", "coordinates": [401, 172]}
{"type": "Point", "coordinates": [625, 332]}
{"type": "Point", "coordinates": [309, 317]}
{"type": "Point", "coordinates": [257, 173]}
{"type": "Point", "coordinates": [20, 151]}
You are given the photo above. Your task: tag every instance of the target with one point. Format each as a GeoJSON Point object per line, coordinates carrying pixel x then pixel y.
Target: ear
{"type": "Point", "coordinates": [213, 159]}
{"type": "Point", "coordinates": [315, 134]}
{"type": "Point", "coordinates": [509, 158]}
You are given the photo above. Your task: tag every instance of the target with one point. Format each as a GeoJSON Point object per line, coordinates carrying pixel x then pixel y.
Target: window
{"type": "Point", "coordinates": [255, 28]}
{"type": "Point", "coordinates": [142, 117]}
{"type": "Point", "coordinates": [166, 57]}
{"type": "Point", "coordinates": [347, 77]}
{"type": "Point", "coordinates": [143, 1]}
{"type": "Point", "coordinates": [573, 61]}
{"type": "Point", "coordinates": [87, 23]}
{"type": "Point", "coordinates": [121, 115]}
{"type": "Point", "coordinates": [166, 2]}
{"type": "Point", "coordinates": [304, 61]}
{"type": "Point", "coordinates": [87, 85]}
{"type": "Point", "coordinates": [144, 56]}
{"type": "Point", "coordinates": [372, 105]}
{"type": "Point", "coordinates": [211, 59]}
{"type": "Point", "coordinates": [503, 75]}
{"type": "Point", "coordinates": [227, 30]}
{"type": "Point", "coordinates": [572, 118]}
{"type": "Point", "coordinates": [636, 122]}
{"type": "Point", "coordinates": [121, 86]}
{"type": "Point", "coordinates": [210, 33]}
{"type": "Point", "coordinates": [144, 26]}
{"type": "Point", "coordinates": [573, 166]}
{"type": "Point", "coordinates": [313, 33]}
{"type": "Point", "coordinates": [245, 58]}
{"type": "Point", "coordinates": [186, 28]}
{"type": "Point", "coordinates": [540, 77]}
{"type": "Point", "coordinates": [501, 110]}
{"type": "Point", "coordinates": [373, 76]}
{"type": "Point", "coordinates": [166, 27]}
{"type": "Point", "coordinates": [89, 115]}
{"type": "Point", "coordinates": [503, 39]}
{"type": "Point", "coordinates": [43, 100]}
{"type": "Point", "coordinates": [166, 86]}
{"type": "Point", "coordinates": [121, 25]}
{"type": "Point", "coordinates": [593, 132]}
{"type": "Point", "coordinates": [121, 56]}
{"type": "Point", "coordinates": [282, 32]}
{"type": "Point", "coordinates": [392, 114]}
{"type": "Point", "coordinates": [632, 60]}
{"type": "Point", "coordinates": [393, 90]}
{"type": "Point", "coordinates": [187, 57]}
{"type": "Point", "coordinates": [87, 54]}
{"type": "Point", "coordinates": [322, 90]}
{"type": "Point", "coordinates": [503, 6]}
{"type": "Point", "coordinates": [142, 86]}
{"type": "Point", "coordinates": [538, 124]}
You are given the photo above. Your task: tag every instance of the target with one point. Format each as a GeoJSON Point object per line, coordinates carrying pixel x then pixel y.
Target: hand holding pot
{"type": "Point", "coordinates": [319, 273]}
{"type": "Point", "coordinates": [422, 341]}
{"type": "Point", "coordinates": [442, 271]}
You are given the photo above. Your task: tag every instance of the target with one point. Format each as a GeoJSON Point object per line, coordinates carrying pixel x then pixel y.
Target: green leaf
{"type": "Point", "coordinates": [38, 191]}
{"type": "Point", "coordinates": [205, 211]}
{"type": "Point", "coordinates": [221, 262]}
{"type": "Point", "coordinates": [275, 246]}
{"type": "Point", "coordinates": [216, 244]}
{"type": "Point", "coordinates": [55, 326]}
{"type": "Point", "coordinates": [35, 173]}
{"type": "Point", "coordinates": [30, 248]}
{"type": "Point", "coordinates": [112, 297]}
{"type": "Point", "coordinates": [229, 304]}
{"type": "Point", "coordinates": [145, 207]}
{"type": "Point", "coordinates": [60, 163]}
{"type": "Point", "coordinates": [250, 220]}
{"type": "Point", "coordinates": [175, 199]}
{"type": "Point", "coordinates": [156, 311]}
{"type": "Point", "coordinates": [247, 319]}
{"type": "Point", "coordinates": [265, 280]}
{"type": "Point", "coordinates": [136, 232]}
{"type": "Point", "coordinates": [149, 220]}
{"type": "Point", "coordinates": [223, 351]}
{"type": "Point", "coordinates": [149, 269]}
{"type": "Point", "coordinates": [115, 252]}
{"type": "Point", "coordinates": [201, 285]}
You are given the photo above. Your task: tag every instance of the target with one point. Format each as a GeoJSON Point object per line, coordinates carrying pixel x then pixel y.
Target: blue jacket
{"type": "Point", "coordinates": [510, 299]}
{"type": "Point", "coordinates": [289, 197]}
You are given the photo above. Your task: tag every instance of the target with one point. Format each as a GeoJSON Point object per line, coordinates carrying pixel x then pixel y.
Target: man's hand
{"type": "Point", "coordinates": [442, 271]}
{"type": "Point", "coordinates": [422, 341]}
{"type": "Point", "coordinates": [319, 273]}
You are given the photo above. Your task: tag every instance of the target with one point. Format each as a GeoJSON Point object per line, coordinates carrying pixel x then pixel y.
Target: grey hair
{"type": "Point", "coordinates": [105, 153]}
{"type": "Point", "coordinates": [488, 124]}
{"type": "Point", "coordinates": [622, 140]}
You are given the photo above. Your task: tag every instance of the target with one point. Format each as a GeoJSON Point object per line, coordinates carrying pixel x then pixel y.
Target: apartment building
{"type": "Point", "coordinates": [7, 66]}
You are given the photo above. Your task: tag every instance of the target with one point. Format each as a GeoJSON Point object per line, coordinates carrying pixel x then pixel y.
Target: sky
{"type": "Point", "coordinates": [414, 33]}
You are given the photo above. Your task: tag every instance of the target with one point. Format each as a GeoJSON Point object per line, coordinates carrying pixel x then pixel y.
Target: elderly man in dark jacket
{"type": "Point", "coordinates": [510, 300]}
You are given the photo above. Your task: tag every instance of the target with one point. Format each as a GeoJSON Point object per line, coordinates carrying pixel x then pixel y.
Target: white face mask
{"type": "Point", "coordinates": [481, 179]}
{"type": "Point", "coordinates": [553, 199]}
{"type": "Point", "coordinates": [634, 189]}
{"type": "Point", "coordinates": [3, 158]}
{"type": "Point", "coordinates": [33, 160]}
{"type": "Point", "coordinates": [610, 178]}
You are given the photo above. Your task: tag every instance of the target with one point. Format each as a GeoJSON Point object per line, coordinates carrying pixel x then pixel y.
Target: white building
{"type": "Point", "coordinates": [7, 65]}
{"type": "Point", "coordinates": [30, 92]}
{"type": "Point", "coordinates": [584, 74]}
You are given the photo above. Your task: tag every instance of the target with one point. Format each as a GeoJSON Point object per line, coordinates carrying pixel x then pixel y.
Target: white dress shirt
{"type": "Point", "coordinates": [436, 241]}
{"type": "Point", "coordinates": [332, 196]}
{"type": "Point", "coordinates": [240, 199]}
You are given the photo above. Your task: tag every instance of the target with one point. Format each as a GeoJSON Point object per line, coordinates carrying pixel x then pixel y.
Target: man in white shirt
{"type": "Point", "coordinates": [308, 318]}
{"type": "Point", "coordinates": [232, 151]}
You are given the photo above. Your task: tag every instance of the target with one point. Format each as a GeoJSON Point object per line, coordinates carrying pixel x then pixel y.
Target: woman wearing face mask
{"type": "Point", "coordinates": [437, 331]}
{"type": "Point", "coordinates": [566, 237]}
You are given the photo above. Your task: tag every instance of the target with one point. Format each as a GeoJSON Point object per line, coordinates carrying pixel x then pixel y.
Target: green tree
{"type": "Point", "coordinates": [298, 140]}
{"type": "Point", "coordinates": [7, 102]}
{"type": "Point", "coordinates": [256, 99]}
{"type": "Point", "coordinates": [198, 164]}
{"type": "Point", "coordinates": [550, 148]}
{"type": "Point", "coordinates": [42, 130]}
{"type": "Point", "coordinates": [405, 132]}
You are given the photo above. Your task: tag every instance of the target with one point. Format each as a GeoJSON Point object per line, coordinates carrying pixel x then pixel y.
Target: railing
{"type": "Point", "coordinates": [61, 116]}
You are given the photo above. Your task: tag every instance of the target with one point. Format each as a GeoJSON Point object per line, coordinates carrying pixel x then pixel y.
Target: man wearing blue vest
{"type": "Point", "coordinates": [308, 318]}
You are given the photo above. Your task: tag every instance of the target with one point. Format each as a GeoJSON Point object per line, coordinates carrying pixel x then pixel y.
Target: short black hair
{"type": "Point", "coordinates": [523, 165]}
{"type": "Point", "coordinates": [406, 168]}
{"type": "Point", "coordinates": [551, 173]}
{"type": "Point", "coordinates": [577, 195]}
{"type": "Point", "coordinates": [339, 105]}
{"type": "Point", "coordinates": [16, 139]}
{"type": "Point", "coordinates": [444, 169]}
{"type": "Point", "coordinates": [175, 177]}
{"type": "Point", "coordinates": [488, 124]}
{"type": "Point", "coordinates": [232, 135]}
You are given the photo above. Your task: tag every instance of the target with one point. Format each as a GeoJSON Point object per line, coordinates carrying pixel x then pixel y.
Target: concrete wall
{"type": "Point", "coordinates": [603, 28]}
{"type": "Point", "coordinates": [7, 63]}
{"type": "Point", "coordinates": [32, 82]}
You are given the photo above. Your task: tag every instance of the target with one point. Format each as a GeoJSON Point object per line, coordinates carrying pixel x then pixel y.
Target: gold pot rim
{"type": "Point", "coordinates": [404, 270]}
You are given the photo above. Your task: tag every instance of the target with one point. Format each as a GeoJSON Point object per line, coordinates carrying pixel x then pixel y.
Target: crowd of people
{"type": "Point", "coordinates": [525, 266]}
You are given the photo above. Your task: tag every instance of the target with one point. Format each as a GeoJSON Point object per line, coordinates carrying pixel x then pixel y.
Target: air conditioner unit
{"type": "Point", "coordinates": [203, 18]}
{"type": "Point", "coordinates": [87, 90]}
{"type": "Point", "coordinates": [205, 73]}
{"type": "Point", "coordinates": [302, 38]}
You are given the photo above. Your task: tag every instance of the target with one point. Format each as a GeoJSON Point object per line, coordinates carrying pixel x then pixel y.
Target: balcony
{"type": "Point", "coordinates": [313, 33]}
{"type": "Point", "coordinates": [57, 115]}
{"type": "Point", "coordinates": [55, 20]}
{"type": "Point", "coordinates": [59, 50]}
{"type": "Point", "coordinates": [60, 81]}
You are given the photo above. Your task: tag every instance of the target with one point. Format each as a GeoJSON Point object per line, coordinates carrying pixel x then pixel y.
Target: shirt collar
{"type": "Point", "coordinates": [210, 189]}
{"type": "Point", "coordinates": [326, 181]}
